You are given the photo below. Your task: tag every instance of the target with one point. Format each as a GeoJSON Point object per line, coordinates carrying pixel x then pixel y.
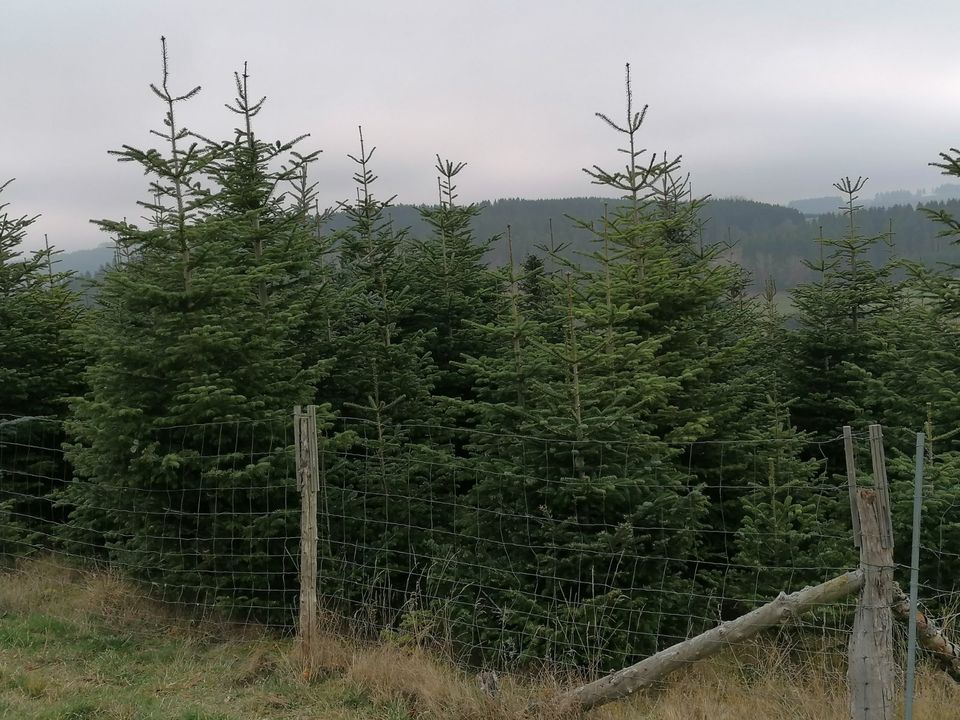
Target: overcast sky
{"type": "Point", "coordinates": [767, 99]}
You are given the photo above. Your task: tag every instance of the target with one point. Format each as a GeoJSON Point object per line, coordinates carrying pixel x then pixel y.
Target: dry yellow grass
{"type": "Point", "coordinates": [84, 644]}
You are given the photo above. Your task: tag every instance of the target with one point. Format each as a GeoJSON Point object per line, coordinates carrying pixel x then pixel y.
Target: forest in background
{"type": "Point", "coordinates": [233, 302]}
{"type": "Point", "coordinates": [770, 242]}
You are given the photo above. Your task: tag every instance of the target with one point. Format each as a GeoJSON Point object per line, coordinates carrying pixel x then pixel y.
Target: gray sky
{"type": "Point", "coordinates": [767, 99]}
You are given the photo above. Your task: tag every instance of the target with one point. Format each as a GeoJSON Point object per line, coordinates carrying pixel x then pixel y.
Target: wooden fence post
{"type": "Point", "coordinates": [871, 667]}
{"type": "Point", "coordinates": [308, 483]}
{"type": "Point", "coordinates": [651, 670]}
{"type": "Point", "coordinates": [848, 451]}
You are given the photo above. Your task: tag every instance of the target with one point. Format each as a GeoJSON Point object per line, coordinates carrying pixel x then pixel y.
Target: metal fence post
{"type": "Point", "coordinates": [914, 580]}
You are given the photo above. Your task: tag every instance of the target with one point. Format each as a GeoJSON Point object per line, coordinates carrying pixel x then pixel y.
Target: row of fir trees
{"type": "Point", "coordinates": [571, 458]}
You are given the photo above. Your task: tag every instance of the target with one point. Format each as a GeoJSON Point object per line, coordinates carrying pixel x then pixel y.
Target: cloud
{"type": "Point", "coordinates": [765, 100]}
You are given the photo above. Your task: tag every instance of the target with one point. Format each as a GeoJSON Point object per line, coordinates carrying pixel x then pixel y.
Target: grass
{"type": "Point", "coordinates": [81, 645]}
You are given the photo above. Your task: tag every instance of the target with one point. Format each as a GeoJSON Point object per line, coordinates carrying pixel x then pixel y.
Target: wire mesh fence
{"type": "Point", "coordinates": [500, 550]}
{"type": "Point", "coordinates": [205, 519]}
{"type": "Point", "coordinates": [510, 550]}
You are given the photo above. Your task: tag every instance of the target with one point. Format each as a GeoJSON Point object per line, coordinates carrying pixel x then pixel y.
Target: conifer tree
{"type": "Point", "coordinates": [787, 514]}
{"type": "Point", "coordinates": [533, 298]}
{"type": "Point", "coordinates": [382, 368]}
{"type": "Point", "coordinates": [835, 349]}
{"type": "Point", "coordinates": [584, 415]}
{"type": "Point", "coordinates": [656, 279]}
{"type": "Point", "coordinates": [381, 383]}
{"type": "Point", "coordinates": [39, 371]}
{"type": "Point", "coordinates": [919, 390]}
{"type": "Point", "coordinates": [195, 340]}
{"type": "Point", "coordinates": [452, 291]}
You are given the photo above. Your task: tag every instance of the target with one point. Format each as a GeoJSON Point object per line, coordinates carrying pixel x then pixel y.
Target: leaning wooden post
{"type": "Point", "coordinates": [849, 454]}
{"type": "Point", "coordinates": [308, 483]}
{"type": "Point", "coordinates": [871, 667]}
{"type": "Point", "coordinates": [651, 670]}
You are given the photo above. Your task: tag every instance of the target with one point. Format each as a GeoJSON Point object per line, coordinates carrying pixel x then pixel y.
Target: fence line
{"type": "Point", "coordinates": [503, 550]}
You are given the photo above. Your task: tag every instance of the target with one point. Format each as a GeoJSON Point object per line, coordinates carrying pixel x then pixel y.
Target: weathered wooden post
{"type": "Point", "coordinates": [308, 483]}
{"type": "Point", "coordinates": [651, 670]}
{"type": "Point", "coordinates": [871, 668]}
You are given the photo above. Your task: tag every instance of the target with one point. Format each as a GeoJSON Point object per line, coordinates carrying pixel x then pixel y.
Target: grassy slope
{"type": "Point", "coordinates": [82, 646]}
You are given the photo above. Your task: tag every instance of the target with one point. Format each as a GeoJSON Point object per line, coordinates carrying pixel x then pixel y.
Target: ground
{"type": "Point", "coordinates": [83, 645]}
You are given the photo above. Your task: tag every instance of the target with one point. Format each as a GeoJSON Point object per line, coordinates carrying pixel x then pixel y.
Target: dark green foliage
{"type": "Point", "coordinates": [835, 348]}
{"type": "Point", "coordinates": [578, 460]}
{"type": "Point", "coordinates": [38, 363]}
{"type": "Point", "coordinates": [919, 391]}
{"type": "Point", "coordinates": [381, 381]}
{"type": "Point", "coordinates": [453, 289]}
{"type": "Point", "coordinates": [592, 400]}
{"type": "Point", "coordinates": [382, 369]}
{"type": "Point", "coordinates": [39, 371]}
{"type": "Point", "coordinates": [791, 518]}
{"type": "Point", "coordinates": [179, 444]}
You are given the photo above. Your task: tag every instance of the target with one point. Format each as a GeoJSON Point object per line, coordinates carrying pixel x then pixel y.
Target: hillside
{"type": "Point", "coordinates": [768, 240]}
{"type": "Point", "coordinates": [78, 645]}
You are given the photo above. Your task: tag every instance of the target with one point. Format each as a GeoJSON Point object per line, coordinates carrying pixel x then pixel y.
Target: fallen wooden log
{"type": "Point", "coordinates": [931, 638]}
{"type": "Point", "coordinates": [652, 669]}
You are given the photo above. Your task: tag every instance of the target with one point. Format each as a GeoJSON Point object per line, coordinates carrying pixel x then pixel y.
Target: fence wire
{"type": "Point", "coordinates": [501, 550]}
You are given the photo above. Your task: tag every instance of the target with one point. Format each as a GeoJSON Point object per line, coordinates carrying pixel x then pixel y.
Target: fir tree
{"type": "Point", "coordinates": [194, 346]}
{"type": "Point", "coordinates": [787, 514]}
{"type": "Point", "coordinates": [655, 279]}
{"type": "Point", "coordinates": [835, 347]}
{"type": "Point", "coordinates": [452, 291]}
{"type": "Point", "coordinates": [381, 383]}
{"type": "Point", "coordinates": [39, 371]}
{"type": "Point", "coordinates": [918, 390]}
{"type": "Point", "coordinates": [585, 456]}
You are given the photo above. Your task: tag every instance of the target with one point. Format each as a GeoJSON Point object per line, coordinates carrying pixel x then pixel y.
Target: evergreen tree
{"type": "Point", "coordinates": [573, 439]}
{"type": "Point", "coordinates": [656, 278]}
{"type": "Point", "coordinates": [39, 371]}
{"type": "Point", "coordinates": [451, 289]}
{"type": "Point", "coordinates": [183, 469]}
{"type": "Point", "coordinates": [790, 528]}
{"type": "Point", "coordinates": [835, 348]}
{"type": "Point", "coordinates": [918, 390]}
{"type": "Point", "coordinates": [381, 383]}
{"type": "Point", "coordinates": [533, 297]}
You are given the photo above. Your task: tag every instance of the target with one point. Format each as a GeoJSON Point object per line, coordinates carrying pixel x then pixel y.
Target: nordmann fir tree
{"type": "Point", "coordinates": [183, 467]}
{"type": "Point", "coordinates": [919, 390]}
{"type": "Point", "coordinates": [381, 384]}
{"type": "Point", "coordinates": [487, 578]}
{"type": "Point", "coordinates": [790, 530]}
{"type": "Point", "coordinates": [835, 349]}
{"type": "Point", "coordinates": [39, 371]}
{"type": "Point", "coordinates": [651, 261]}
{"type": "Point", "coordinates": [585, 459]}
{"type": "Point", "coordinates": [531, 287]}
{"type": "Point", "coordinates": [453, 289]}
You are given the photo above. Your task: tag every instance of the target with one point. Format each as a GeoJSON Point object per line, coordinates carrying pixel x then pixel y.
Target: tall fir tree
{"type": "Point", "coordinates": [40, 365]}
{"type": "Point", "coordinates": [183, 471]}
{"type": "Point", "coordinates": [576, 428]}
{"type": "Point", "coordinates": [918, 390]}
{"type": "Point", "coordinates": [381, 385]}
{"type": "Point", "coordinates": [655, 278]}
{"type": "Point", "coordinates": [788, 518]}
{"type": "Point", "coordinates": [835, 348]}
{"type": "Point", "coordinates": [452, 290]}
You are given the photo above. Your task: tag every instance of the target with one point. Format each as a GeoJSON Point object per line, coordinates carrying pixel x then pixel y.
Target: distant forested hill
{"type": "Point", "coordinates": [771, 241]}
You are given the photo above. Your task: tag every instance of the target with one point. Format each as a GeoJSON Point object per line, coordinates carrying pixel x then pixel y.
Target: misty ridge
{"type": "Point", "coordinates": [771, 242]}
